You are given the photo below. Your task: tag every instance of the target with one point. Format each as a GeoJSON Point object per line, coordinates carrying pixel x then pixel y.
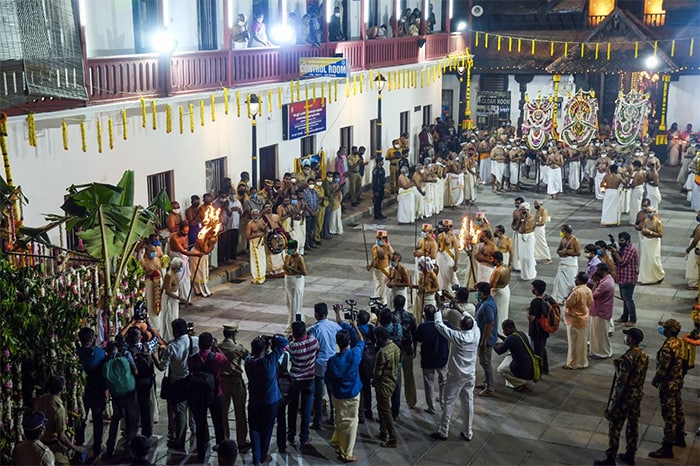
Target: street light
{"type": "Point", "coordinates": [254, 108]}
{"type": "Point", "coordinates": [380, 81]}
{"type": "Point", "coordinates": [462, 95]}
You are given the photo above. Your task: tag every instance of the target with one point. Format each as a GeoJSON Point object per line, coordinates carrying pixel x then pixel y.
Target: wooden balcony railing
{"type": "Point", "coordinates": [126, 77]}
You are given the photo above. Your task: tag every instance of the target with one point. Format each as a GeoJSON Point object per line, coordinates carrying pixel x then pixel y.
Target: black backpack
{"type": "Point", "coordinates": [201, 383]}
{"type": "Point", "coordinates": [145, 366]}
{"type": "Point", "coordinates": [284, 378]}
{"type": "Point", "coordinates": [404, 318]}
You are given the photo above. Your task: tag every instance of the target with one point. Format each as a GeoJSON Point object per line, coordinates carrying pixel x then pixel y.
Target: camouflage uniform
{"type": "Point", "coordinates": [669, 380]}
{"type": "Point", "coordinates": [625, 399]}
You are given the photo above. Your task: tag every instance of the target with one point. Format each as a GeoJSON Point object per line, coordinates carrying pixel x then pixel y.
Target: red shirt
{"type": "Point", "coordinates": [628, 266]}
{"type": "Point", "coordinates": [220, 361]}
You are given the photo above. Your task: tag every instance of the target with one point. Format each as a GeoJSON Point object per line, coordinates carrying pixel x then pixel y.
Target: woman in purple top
{"type": "Point", "coordinates": [601, 312]}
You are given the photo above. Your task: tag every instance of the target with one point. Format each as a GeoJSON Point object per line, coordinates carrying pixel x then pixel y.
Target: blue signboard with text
{"type": "Point", "coordinates": [323, 67]}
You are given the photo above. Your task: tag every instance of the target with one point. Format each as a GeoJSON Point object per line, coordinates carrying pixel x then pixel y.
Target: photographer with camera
{"type": "Point", "coordinates": [324, 331]}
{"type": "Point", "coordinates": [408, 349]}
{"type": "Point", "coordinates": [627, 263]}
{"type": "Point", "coordinates": [303, 350]}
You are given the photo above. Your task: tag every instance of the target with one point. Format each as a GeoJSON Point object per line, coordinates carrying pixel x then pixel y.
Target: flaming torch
{"type": "Point", "coordinates": [468, 235]}
{"type": "Point", "coordinates": [206, 238]}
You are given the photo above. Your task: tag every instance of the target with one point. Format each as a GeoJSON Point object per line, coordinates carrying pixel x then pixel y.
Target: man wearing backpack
{"type": "Point", "coordinates": [145, 378]}
{"type": "Point", "coordinates": [538, 307]}
{"type": "Point", "coordinates": [204, 391]}
{"type": "Point", "coordinates": [175, 362]}
{"type": "Point", "coordinates": [119, 371]}
{"type": "Point", "coordinates": [408, 348]}
{"type": "Point", "coordinates": [91, 360]}
{"type": "Point", "coordinates": [519, 368]}
{"type": "Point", "coordinates": [386, 321]}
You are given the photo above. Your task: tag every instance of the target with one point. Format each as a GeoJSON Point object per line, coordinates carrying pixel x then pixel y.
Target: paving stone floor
{"type": "Point", "coordinates": [559, 422]}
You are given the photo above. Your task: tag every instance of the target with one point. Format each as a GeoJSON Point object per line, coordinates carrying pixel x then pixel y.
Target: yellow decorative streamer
{"type": "Point", "coordinates": [486, 40]}
{"type": "Point", "coordinates": [238, 104]}
{"type": "Point", "coordinates": [181, 114]}
{"type": "Point", "coordinates": [510, 44]}
{"type": "Point", "coordinates": [498, 43]}
{"type": "Point", "coordinates": [551, 49]}
{"type": "Point", "coordinates": [313, 91]}
{"type": "Point", "coordinates": [298, 90]}
{"type": "Point", "coordinates": [347, 87]}
{"type": "Point", "coordinates": [583, 49]}
{"type": "Point", "coordinates": [607, 55]}
{"type": "Point", "coordinates": [692, 46]}
{"type": "Point", "coordinates": [596, 50]}
{"type": "Point", "coordinates": [279, 97]}
{"type": "Point", "coordinates": [566, 49]}
{"type": "Point", "coordinates": [520, 43]}
{"type": "Point", "coordinates": [656, 46]}
{"type": "Point", "coordinates": [371, 80]}
{"type": "Point", "coordinates": [168, 119]}
{"type": "Point", "coordinates": [476, 39]}
{"type": "Point", "coordinates": [124, 128]}
{"type": "Point", "coordinates": [335, 91]}
{"type": "Point", "coordinates": [269, 101]}
{"type": "Point", "coordinates": [422, 78]}
{"type": "Point", "coordinates": [362, 85]}
{"type": "Point", "coordinates": [110, 133]}
{"type": "Point", "coordinates": [323, 92]}
{"type": "Point", "coordinates": [354, 84]}
{"type": "Point", "coordinates": [247, 103]}
{"type": "Point", "coordinates": [143, 112]}
{"type": "Point", "coordinates": [83, 137]}
{"type": "Point", "coordinates": [201, 112]}
{"type": "Point", "coordinates": [673, 48]}
{"type": "Point", "coordinates": [636, 50]}
{"type": "Point", "coordinates": [64, 134]}
{"type": "Point", "coordinates": [31, 127]}
{"type": "Point", "coordinates": [532, 50]}
{"type": "Point", "coordinates": [99, 137]}
{"type": "Point", "coordinates": [213, 107]}
{"type": "Point", "coordinates": [191, 112]}
{"type": "Point", "coordinates": [226, 100]}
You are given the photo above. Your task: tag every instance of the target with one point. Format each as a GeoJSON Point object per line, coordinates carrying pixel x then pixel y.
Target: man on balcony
{"type": "Point", "coordinates": [335, 30]}
{"type": "Point", "coordinates": [240, 35]}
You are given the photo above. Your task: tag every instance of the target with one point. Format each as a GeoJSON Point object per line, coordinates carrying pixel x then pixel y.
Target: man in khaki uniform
{"type": "Point", "coordinates": [233, 386]}
{"type": "Point", "coordinates": [31, 451]}
{"type": "Point", "coordinates": [54, 435]}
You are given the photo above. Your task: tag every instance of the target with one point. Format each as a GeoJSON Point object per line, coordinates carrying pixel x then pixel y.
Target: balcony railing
{"type": "Point", "coordinates": [125, 77]}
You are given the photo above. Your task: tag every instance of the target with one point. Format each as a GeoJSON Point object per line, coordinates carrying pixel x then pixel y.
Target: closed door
{"type": "Point", "coordinates": [268, 163]}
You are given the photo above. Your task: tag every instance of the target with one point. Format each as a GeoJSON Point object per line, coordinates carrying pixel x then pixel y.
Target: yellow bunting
{"type": "Point", "coordinates": [476, 39]}
{"type": "Point", "coordinates": [388, 82]}
{"type": "Point", "coordinates": [298, 89]}
{"type": "Point", "coordinates": [510, 44]}
{"type": "Point", "coordinates": [520, 43]}
{"type": "Point", "coordinates": [636, 50]}
{"type": "Point", "coordinates": [306, 115]}
{"type": "Point", "coordinates": [607, 54]}
{"type": "Point", "coordinates": [323, 92]}
{"type": "Point", "coordinates": [124, 128]}
{"type": "Point", "coordinates": [396, 79]}
{"type": "Point", "coordinates": [498, 43]}
{"type": "Point", "coordinates": [143, 112]}
{"type": "Point", "coordinates": [191, 108]}
{"type": "Point", "coordinates": [260, 105]}
{"type": "Point", "coordinates": [422, 78]}
{"type": "Point", "coordinates": [486, 40]}
{"type": "Point", "coordinates": [154, 115]}
{"type": "Point", "coordinates": [354, 84]}
{"type": "Point", "coordinates": [313, 91]}
{"type": "Point", "coordinates": [551, 49]}
{"type": "Point", "coordinates": [238, 103]}
{"type": "Point", "coordinates": [673, 48]}
{"type": "Point", "coordinates": [31, 126]}
{"type": "Point", "coordinates": [371, 80]}
{"type": "Point", "coordinates": [83, 140]}
{"type": "Point", "coordinates": [99, 136]}
{"type": "Point", "coordinates": [428, 76]}
{"type": "Point", "coordinates": [335, 90]}
{"type": "Point", "coordinates": [247, 103]}
{"type": "Point", "coordinates": [692, 46]}
{"type": "Point", "coordinates": [168, 119]}
{"type": "Point", "coordinates": [201, 112]}
{"type": "Point", "coordinates": [566, 49]}
{"type": "Point", "coordinates": [279, 97]}
{"type": "Point", "coordinates": [306, 93]}
{"type": "Point", "coordinates": [110, 133]}
{"type": "Point", "coordinates": [347, 87]}
{"type": "Point", "coordinates": [597, 44]}
{"type": "Point", "coordinates": [439, 73]}
{"type": "Point", "coordinates": [269, 101]}
{"type": "Point", "coordinates": [181, 113]}
{"type": "Point", "coordinates": [532, 48]}
{"type": "Point", "coordinates": [583, 49]}
{"type": "Point", "coordinates": [64, 134]}
{"type": "Point", "coordinates": [656, 46]}
{"type": "Point", "coordinates": [213, 107]}
{"type": "Point", "coordinates": [362, 84]}
{"type": "Point", "coordinates": [226, 100]}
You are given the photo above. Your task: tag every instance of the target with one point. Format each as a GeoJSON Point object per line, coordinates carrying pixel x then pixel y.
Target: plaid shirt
{"type": "Point", "coordinates": [628, 266]}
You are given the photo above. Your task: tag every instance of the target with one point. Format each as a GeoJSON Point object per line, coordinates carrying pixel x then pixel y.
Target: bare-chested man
{"type": "Point", "coordinates": [255, 232]}
{"type": "Point", "coordinates": [447, 256]}
{"type": "Point", "coordinates": [381, 256]}
{"type": "Point", "coordinates": [611, 212]}
{"type": "Point", "coordinates": [178, 244]}
{"type": "Point", "coordinates": [651, 271]}
{"type": "Point", "coordinates": [174, 219]}
{"type": "Point", "coordinates": [498, 164]}
{"type": "Point", "coordinates": [554, 180]}
{"type": "Point", "coordinates": [275, 261]}
{"type": "Point", "coordinates": [482, 255]}
{"type": "Point", "coordinates": [399, 279]}
{"type": "Point", "coordinates": [601, 167]}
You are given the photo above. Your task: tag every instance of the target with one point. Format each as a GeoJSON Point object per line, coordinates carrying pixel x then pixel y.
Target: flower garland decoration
{"type": "Point", "coordinates": [154, 115]}
{"type": "Point", "coordinates": [143, 112]}
{"type": "Point", "coordinates": [201, 112]}
{"type": "Point", "coordinates": [213, 107]}
{"type": "Point", "coordinates": [168, 119]}
{"type": "Point", "coordinates": [110, 132]}
{"type": "Point", "coordinates": [226, 100]}
{"type": "Point", "coordinates": [99, 136]}
{"type": "Point", "coordinates": [83, 136]}
{"type": "Point", "coordinates": [31, 126]}
{"type": "Point", "coordinates": [64, 134]}
{"type": "Point", "coordinates": [124, 130]}
{"type": "Point", "coordinates": [191, 118]}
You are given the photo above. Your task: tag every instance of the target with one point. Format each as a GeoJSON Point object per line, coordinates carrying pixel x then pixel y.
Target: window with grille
{"type": "Point", "coordinates": [404, 122]}
{"type": "Point", "coordinates": [163, 181]}
{"type": "Point", "coordinates": [346, 137]}
{"type": "Point", "coordinates": [308, 145]}
{"type": "Point", "coordinates": [427, 115]}
{"type": "Point", "coordinates": [215, 172]}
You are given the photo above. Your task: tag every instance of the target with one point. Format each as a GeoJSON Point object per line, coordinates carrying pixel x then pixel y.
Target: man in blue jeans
{"type": "Point", "coordinates": [303, 350]}
{"type": "Point", "coordinates": [91, 359]}
{"type": "Point", "coordinates": [324, 331]}
{"type": "Point", "coordinates": [627, 270]}
{"type": "Point", "coordinates": [486, 319]}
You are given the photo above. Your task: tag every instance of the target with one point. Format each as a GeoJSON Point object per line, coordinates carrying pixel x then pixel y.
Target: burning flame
{"type": "Point", "coordinates": [210, 229]}
{"type": "Point", "coordinates": [468, 235]}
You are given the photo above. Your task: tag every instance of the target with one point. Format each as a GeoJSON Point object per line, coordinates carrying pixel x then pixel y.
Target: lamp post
{"type": "Point", "coordinates": [380, 81]}
{"type": "Point", "coordinates": [254, 108]}
{"type": "Point", "coordinates": [462, 96]}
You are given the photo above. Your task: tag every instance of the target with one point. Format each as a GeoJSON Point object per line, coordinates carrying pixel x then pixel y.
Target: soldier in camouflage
{"type": "Point", "coordinates": [669, 381]}
{"type": "Point", "coordinates": [625, 399]}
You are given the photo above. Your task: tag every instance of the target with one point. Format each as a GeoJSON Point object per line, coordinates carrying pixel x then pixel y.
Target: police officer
{"type": "Point", "coordinates": [669, 380]}
{"type": "Point", "coordinates": [233, 385]}
{"type": "Point", "coordinates": [625, 399]}
{"type": "Point", "coordinates": [32, 451]}
{"type": "Point", "coordinates": [378, 183]}
{"type": "Point", "coordinates": [55, 435]}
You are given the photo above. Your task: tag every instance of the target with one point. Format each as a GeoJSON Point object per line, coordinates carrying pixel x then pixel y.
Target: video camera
{"type": "Point", "coordinates": [190, 329]}
{"type": "Point", "coordinates": [349, 313]}
{"type": "Point", "coordinates": [613, 244]}
{"type": "Point", "coordinates": [375, 304]}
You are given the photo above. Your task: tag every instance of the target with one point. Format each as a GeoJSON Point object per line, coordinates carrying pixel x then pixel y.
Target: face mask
{"type": "Point", "coordinates": [561, 234]}
{"type": "Point", "coordinates": [290, 251]}
{"type": "Point", "coordinates": [379, 242]}
{"type": "Point", "coordinates": [478, 222]}
{"type": "Point", "coordinates": [241, 193]}
{"type": "Point", "coordinates": [626, 340]}
{"type": "Point", "coordinates": [622, 245]}
{"type": "Point", "coordinates": [260, 20]}
{"type": "Point", "coordinates": [337, 15]}
{"type": "Point", "coordinates": [337, 180]}
{"type": "Point", "coordinates": [603, 155]}
{"type": "Point", "coordinates": [423, 234]}
{"type": "Point", "coordinates": [311, 186]}
{"type": "Point", "coordinates": [697, 218]}
{"type": "Point", "coordinates": [254, 195]}
{"type": "Point", "coordinates": [661, 330]}
{"type": "Point", "coordinates": [650, 215]}
{"type": "Point", "coordinates": [537, 207]}
{"type": "Point", "coordinates": [242, 23]}
{"type": "Point", "coordinates": [294, 202]}
{"type": "Point", "coordinates": [176, 211]}
{"type": "Point", "coordinates": [156, 243]}
{"type": "Point", "coordinates": [599, 252]}
{"type": "Point", "coordinates": [152, 255]}
{"type": "Point", "coordinates": [293, 180]}
{"type": "Point", "coordinates": [393, 263]}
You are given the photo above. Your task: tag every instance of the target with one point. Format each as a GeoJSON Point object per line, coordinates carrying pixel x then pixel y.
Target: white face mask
{"type": "Point", "coordinates": [176, 211]}
{"type": "Point", "coordinates": [319, 183]}
{"type": "Point", "coordinates": [260, 20]}
{"type": "Point", "coordinates": [603, 155]}
{"type": "Point", "coordinates": [293, 180]}
{"type": "Point", "coordinates": [337, 15]}
{"type": "Point", "coordinates": [423, 234]}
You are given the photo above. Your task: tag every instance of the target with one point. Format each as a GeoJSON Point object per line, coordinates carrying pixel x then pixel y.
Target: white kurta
{"type": "Point", "coordinates": [526, 249]}
{"type": "Point", "coordinates": [564, 279]}
{"type": "Point", "coordinates": [541, 247]}
{"type": "Point", "coordinates": [575, 175]}
{"type": "Point", "coordinates": [294, 294]}
{"type": "Point", "coordinates": [554, 184]}
{"type": "Point", "coordinates": [636, 195]}
{"type": "Point", "coordinates": [611, 212]}
{"type": "Point", "coordinates": [406, 212]}
{"type": "Point", "coordinates": [456, 181]}
{"type": "Point", "coordinates": [298, 233]}
{"type": "Point", "coordinates": [600, 341]}
{"type": "Point", "coordinates": [650, 269]}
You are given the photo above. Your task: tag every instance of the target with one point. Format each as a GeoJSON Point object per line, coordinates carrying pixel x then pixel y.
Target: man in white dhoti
{"type": "Point", "coordinates": [298, 219]}
{"type": "Point", "coordinates": [541, 246]}
{"type": "Point", "coordinates": [171, 297]}
{"type": "Point", "coordinates": [406, 212]}
{"type": "Point", "coordinates": [611, 213]}
{"type": "Point", "coordinates": [636, 187]}
{"type": "Point", "coordinates": [601, 165]}
{"type": "Point", "coordinates": [574, 177]}
{"type": "Point", "coordinates": [447, 256]}
{"type": "Point", "coordinates": [500, 286]}
{"type": "Point", "coordinates": [653, 193]}
{"type": "Point", "coordinates": [576, 316]}
{"type": "Point", "coordinates": [484, 150]}
{"type": "Point", "coordinates": [514, 237]}
{"type": "Point", "coordinates": [294, 279]}
{"type": "Point", "coordinates": [498, 165]}
{"type": "Point", "coordinates": [482, 255]}
{"type": "Point", "coordinates": [471, 171]}
{"type": "Point", "coordinates": [651, 271]}
{"type": "Point", "coordinates": [554, 184]}
{"type": "Point", "coordinates": [426, 245]}
{"type": "Point", "coordinates": [178, 246]}
{"type": "Point", "coordinates": [516, 154]}
{"type": "Point", "coordinates": [419, 185]}
{"type": "Point", "coordinates": [693, 259]}
{"type": "Point", "coordinates": [381, 256]}
{"type": "Point", "coordinates": [526, 243]}
{"type": "Point", "coordinates": [255, 232]}
{"type": "Point", "coordinates": [456, 183]}
{"type": "Point", "coordinates": [568, 250]}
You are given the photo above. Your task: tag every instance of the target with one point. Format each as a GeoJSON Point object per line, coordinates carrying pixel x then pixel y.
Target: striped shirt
{"type": "Point", "coordinates": [303, 352]}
